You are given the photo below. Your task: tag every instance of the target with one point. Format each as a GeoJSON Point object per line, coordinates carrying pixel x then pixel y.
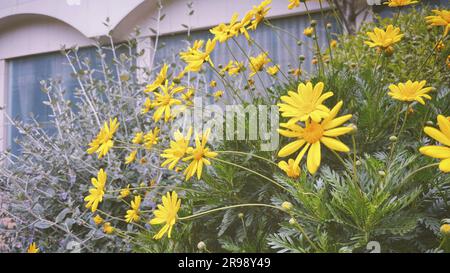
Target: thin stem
{"type": "Point", "coordinates": [248, 154]}
{"type": "Point", "coordinates": [251, 171]}
{"type": "Point", "coordinates": [227, 208]}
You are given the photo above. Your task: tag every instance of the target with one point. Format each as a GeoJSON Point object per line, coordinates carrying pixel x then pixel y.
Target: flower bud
{"type": "Point", "coordinates": [445, 229]}
{"type": "Point", "coordinates": [382, 173]}
{"type": "Point", "coordinates": [292, 221]}
{"type": "Point", "coordinates": [286, 205]}
{"type": "Point", "coordinates": [329, 25]}
{"type": "Point", "coordinates": [313, 23]}
{"type": "Point", "coordinates": [430, 123]}
{"type": "Point", "coordinates": [393, 138]}
{"type": "Point", "coordinates": [354, 127]}
{"type": "Point", "coordinates": [201, 245]}
{"type": "Point", "coordinates": [358, 163]}
{"type": "Point", "coordinates": [241, 215]}
{"type": "Point", "coordinates": [389, 51]}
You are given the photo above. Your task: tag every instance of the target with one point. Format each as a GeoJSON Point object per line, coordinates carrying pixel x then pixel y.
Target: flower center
{"type": "Point", "coordinates": [166, 100]}
{"type": "Point", "coordinates": [198, 154]}
{"type": "Point", "coordinates": [313, 132]}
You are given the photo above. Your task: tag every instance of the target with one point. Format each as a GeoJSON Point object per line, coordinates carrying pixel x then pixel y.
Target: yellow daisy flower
{"type": "Point", "coordinates": [198, 156]}
{"type": "Point", "coordinates": [165, 100]}
{"type": "Point", "coordinates": [224, 32]}
{"type": "Point", "coordinates": [257, 63]}
{"type": "Point", "coordinates": [133, 213]}
{"type": "Point", "coordinates": [217, 95]}
{"type": "Point", "coordinates": [148, 106]}
{"type": "Point", "coordinates": [399, 3]}
{"type": "Point", "coordinates": [293, 4]}
{"type": "Point", "coordinates": [177, 150]}
{"type": "Point", "coordinates": [410, 91]}
{"type": "Point", "coordinates": [160, 79]}
{"type": "Point", "coordinates": [125, 192]}
{"type": "Point", "coordinates": [97, 192]}
{"type": "Point", "coordinates": [441, 18]}
{"type": "Point", "coordinates": [138, 138]}
{"type": "Point", "coordinates": [312, 135]}
{"type": "Point", "coordinates": [306, 104]}
{"type": "Point", "coordinates": [384, 38]}
{"type": "Point", "coordinates": [273, 70]}
{"type": "Point", "coordinates": [166, 214]}
{"type": "Point", "coordinates": [107, 228]}
{"type": "Point", "coordinates": [33, 248]}
{"type": "Point", "coordinates": [290, 168]}
{"type": "Point", "coordinates": [98, 220]}
{"type": "Point", "coordinates": [195, 58]}
{"type": "Point", "coordinates": [151, 138]}
{"type": "Point", "coordinates": [259, 13]}
{"type": "Point", "coordinates": [442, 136]}
{"type": "Point", "coordinates": [131, 157]}
{"type": "Point", "coordinates": [103, 142]}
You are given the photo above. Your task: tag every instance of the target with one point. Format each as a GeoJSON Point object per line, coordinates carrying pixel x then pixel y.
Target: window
{"type": "Point", "coordinates": [25, 98]}
{"type": "Point", "coordinates": [283, 48]}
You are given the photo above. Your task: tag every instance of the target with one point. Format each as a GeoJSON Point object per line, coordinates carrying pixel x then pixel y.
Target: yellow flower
{"type": "Point", "coordinates": [187, 97]}
{"type": "Point", "coordinates": [442, 136]}
{"type": "Point", "coordinates": [125, 192]}
{"type": "Point", "coordinates": [217, 95]}
{"type": "Point", "coordinates": [103, 142]}
{"type": "Point", "coordinates": [199, 156]}
{"type": "Point", "coordinates": [213, 84]}
{"type": "Point", "coordinates": [234, 68]}
{"type": "Point", "coordinates": [306, 103]}
{"type": "Point", "coordinates": [257, 63]}
{"type": "Point", "coordinates": [384, 39]}
{"type": "Point", "coordinates": [312, 135]}
{"type": "Point", "coordinates": [138, 138]}
{"type": "Point", "coordinates": [151, 138]}
{"type": "Point", "coordinates": [309, 31]}
{"type": "Point", "coordinates": [167, 214]}
{"type": "Point", "coordinates": [259, 13]}
{"type": "Point", "coordinates": [333, 43]}
{"type": "Point", "coordinates": [290, 168]}
{"type": "Point", "coordinates": [445, 229]}
{"type": "Point", "coordinates": [148, 106]}
{"type": "Point", "coordinates": [165, 100]}
{"type": "Point", "coordinates": [33, 248]}
{"type": "Point", "coordinates": [296, 72]}
{"type": "Point", "coordinates": [441, 18]}
{"type": "Point", "coordinates": [96, 193]}
{"type": "Point", "coordinates": [194, 57]}
{"type": "Point", "coordinates": [107, 228]}
{"type": "Point", "coordinates": [160, 79]}
{"type": "Point", "coordinates": [410, 91]}
{"type": "Point", "coordinates": [133, 213]}
{"type": "Point", "coordinates": [223, 32]}
{"type": "Point", "coordinates": [241, 27]}
{"type": "Point", "coordinates": [293, 4]}
{"type": "Point", "coordinates": [98, 220]}
{"type": "Point", "coordinates": [400, 3]}
{"type": "Point", "coordinates": [131, 157]}
{"type": "Point", "coordinates": [273, 70]}
{"type": "Point", "coordinates": [177, 150]}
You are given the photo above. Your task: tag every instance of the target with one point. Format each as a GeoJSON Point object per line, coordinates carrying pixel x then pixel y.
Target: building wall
{"type": "Point", "coordinates": [36, 27]}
